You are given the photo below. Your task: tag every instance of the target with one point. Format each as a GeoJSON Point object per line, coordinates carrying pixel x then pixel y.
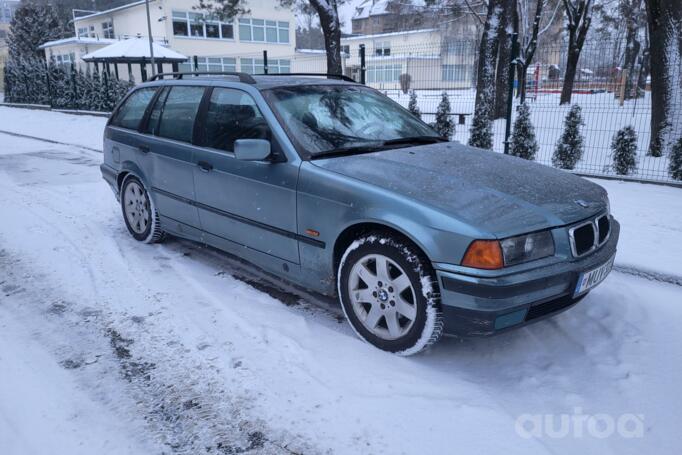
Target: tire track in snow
{"type": "Point", "coordinates": [49, 141]}
{"type": "Point", "coordinates": [184, 399]}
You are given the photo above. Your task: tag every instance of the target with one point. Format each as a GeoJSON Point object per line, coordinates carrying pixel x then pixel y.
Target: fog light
{"type": "Point", "coordinates": [510, 319]}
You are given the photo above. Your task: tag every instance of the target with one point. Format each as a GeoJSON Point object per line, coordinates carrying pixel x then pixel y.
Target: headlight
{"type": "Point", "coordinates": [524, 248]}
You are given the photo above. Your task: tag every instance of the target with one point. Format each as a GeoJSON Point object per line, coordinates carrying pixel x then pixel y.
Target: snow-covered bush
{"type": "Point", "coordinates": [675, 166]}
{"type": "Point", "coordinates": [569, 148]}
{"type": "Point", "coordinates": [412, 105]}
{"type": "Point", "coordinates": [481, 128]}
{"type": "Point", "coordinates": [624, 148]}
{"type": "Point", "coordinates": [523, 142]}
{"type": "Point", "coordinates": [31, 81]}
{"type": "Point", "coordinates": [444, 124]}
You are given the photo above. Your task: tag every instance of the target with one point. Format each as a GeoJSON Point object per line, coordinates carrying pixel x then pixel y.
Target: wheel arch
{"type": "Point", "coordinates": [129, 168]}
{"type": "Point", "coordinates": [356, 230]}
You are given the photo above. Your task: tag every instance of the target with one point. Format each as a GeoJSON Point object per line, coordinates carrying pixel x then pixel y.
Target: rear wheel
{"type": "Point", "coordinates": [389, 294]}
{"type": "Point", "coordinates": [139, 213]}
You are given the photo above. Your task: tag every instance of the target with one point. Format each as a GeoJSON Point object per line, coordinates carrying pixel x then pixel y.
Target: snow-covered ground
{"type": "Point", "coordinates": [110, 346]}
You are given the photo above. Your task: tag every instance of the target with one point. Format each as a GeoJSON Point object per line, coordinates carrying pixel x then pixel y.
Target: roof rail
{"type": "Point", "coordinates": [243, 77]}
{"type": "Point", "coordinates": [340, 77]}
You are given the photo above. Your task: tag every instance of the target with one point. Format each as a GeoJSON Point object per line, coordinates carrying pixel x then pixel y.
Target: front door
{"type": "Point", "coordinates": [252, 203]}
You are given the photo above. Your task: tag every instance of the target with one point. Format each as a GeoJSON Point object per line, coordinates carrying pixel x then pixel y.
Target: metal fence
{"type": "Point", "coordinates": [608, 101]}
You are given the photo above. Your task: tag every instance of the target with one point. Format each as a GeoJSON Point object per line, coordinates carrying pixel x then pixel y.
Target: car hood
{"type": "Point", "coordinates": [496, 193]}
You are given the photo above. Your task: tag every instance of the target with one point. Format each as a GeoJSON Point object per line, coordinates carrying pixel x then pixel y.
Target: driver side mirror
{"type": "Point", "coordinates": [251, 149]}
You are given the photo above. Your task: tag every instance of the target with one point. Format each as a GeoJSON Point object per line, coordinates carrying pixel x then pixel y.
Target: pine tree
{"type": "Point", "coordinates": [32, 25]}
{"type": "Point", "coordinates": [569, 149]}
{"type": "Point", "coordinates": [481, 128]}
{"type": "Point", "coordinates": [97, 100]}
{"type": "Point", "coordinates": [7, 82]}
{"type": "Point", "coordinates": [412, 105]}
{"type": "Point", "coordinates": [444, 124]}
{"type": "Point", "coordinates": [675, 166]}
{"type": "Point", "coordinates": [624, 147]}
{"type": "Point", "coordinates": [523, 142]}
{"type": "Point", "coordinates": [58, 82]}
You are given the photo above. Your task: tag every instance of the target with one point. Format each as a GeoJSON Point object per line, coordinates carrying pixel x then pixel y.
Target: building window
{"type": "Point", "coordinates": [65, 60]}
{"type": "Point", "coordinates": [217, 64]}
{"type": "Point", "coordinates": [382, 48]}
{"type": "Point", "coordinates": [108, 29]}
{"type": "Point", "coordinates": [455, 73]}
{"type": "Point", "coordinates": [345, 50]}
{"type": "Point", "coordinates": [256, 66]}
{"type": "Point", "coordinates": [197, 26]}
{"type": "Point", "coordinates": [87, 32]}
{"type": "Point", "coordinates": [384, 73]}
{"type": "Point", "coordinates": [262, 31]}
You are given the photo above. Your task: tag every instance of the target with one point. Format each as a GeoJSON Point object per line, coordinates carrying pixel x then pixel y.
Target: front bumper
{"type": "Point", "coordinates": [482, 306]}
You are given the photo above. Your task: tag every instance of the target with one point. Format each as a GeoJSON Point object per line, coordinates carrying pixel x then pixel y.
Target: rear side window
{"type": "Point", "coordinates": [130, 114]}
{"type": "Point", "coordinates": [179, 113]}
{"type": "Point", "coordinates": [155, 115]}
{"type": "Point", "coordinates": [231, 115]}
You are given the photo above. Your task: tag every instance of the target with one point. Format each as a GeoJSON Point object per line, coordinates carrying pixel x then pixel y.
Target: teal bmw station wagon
{"type": "Point", "coordinates": [335, 187]}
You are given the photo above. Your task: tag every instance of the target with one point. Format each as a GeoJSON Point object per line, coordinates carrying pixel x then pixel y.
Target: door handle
{"type": "Point", "coordinates": [143, 149]}
{"type": "Point", "coordinates": [205, 166]}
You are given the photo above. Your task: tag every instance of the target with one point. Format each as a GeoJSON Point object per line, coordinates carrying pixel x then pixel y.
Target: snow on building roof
{"type": "Point", "coordinates": [76, 40]}
{"type": "Point", "coordinates": [371, 8]}
{"type": "Point", "coordinates": [112, 10]}
{"type": "Point", "coordinates": [311, 51]}
{"type": "Point", "coordinates": [381, 35]}
{"type": "Point", "coordinates": [134, 49]}
{"type": "Point", "coordinates": [378, 7]}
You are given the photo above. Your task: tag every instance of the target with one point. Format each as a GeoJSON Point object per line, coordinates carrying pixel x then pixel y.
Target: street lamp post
{"type": "Point", "coordinates": [151, 40]}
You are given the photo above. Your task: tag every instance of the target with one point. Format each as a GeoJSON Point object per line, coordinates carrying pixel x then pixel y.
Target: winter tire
{"type": "Point", "coordinates": [139, 213]}
{"type": "Point", "coordinates": [389, 294]}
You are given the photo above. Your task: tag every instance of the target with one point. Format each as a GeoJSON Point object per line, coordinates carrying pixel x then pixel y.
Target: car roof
{"type": "Point", "coordinates": [260, 81]}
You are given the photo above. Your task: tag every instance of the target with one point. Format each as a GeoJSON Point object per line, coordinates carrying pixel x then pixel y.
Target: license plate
{"type": "Point", "coordinates": [588, 280]}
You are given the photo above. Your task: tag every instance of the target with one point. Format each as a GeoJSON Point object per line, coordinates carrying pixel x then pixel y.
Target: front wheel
{"type": "Point", "coordinates": [389, 294]}
{"type": "Point", "coordinates": [139, 213]}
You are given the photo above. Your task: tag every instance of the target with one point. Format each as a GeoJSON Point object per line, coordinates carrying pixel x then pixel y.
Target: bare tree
{"type": "Point", "coordinates": [530, 18]}
{"type": "Point", "coordinates": [631, 14]}
{"type": "Point", "coordinates": [665, 35]}
{"type": "Point", "coordinates": [508, 23]}
{"type": "Point", "coordinates": [487, 56]}
{"type": "Point", "coordinates": [578, 20]}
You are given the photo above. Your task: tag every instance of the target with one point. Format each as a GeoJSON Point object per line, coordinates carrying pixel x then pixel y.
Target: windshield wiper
{"type": "Point", "coordinates": [415, 140]}
{"type": "Point", "coordinates": [350, 150]}
{"type": "Point", "coordinates": [378, 145]}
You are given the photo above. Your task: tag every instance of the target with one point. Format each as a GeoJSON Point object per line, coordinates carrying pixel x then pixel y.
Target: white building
{"type": "Point", "coordinates": [234, 45]}
{"type": "Point", "coordinates": [429, 59]}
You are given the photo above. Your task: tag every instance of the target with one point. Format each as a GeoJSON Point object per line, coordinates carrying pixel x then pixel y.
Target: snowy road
{"type": "Point", "coordinates": [110, 346]}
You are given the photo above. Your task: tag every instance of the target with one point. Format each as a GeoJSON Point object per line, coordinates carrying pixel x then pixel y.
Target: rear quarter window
{"type": "Point", "coordinates": [130, 114]}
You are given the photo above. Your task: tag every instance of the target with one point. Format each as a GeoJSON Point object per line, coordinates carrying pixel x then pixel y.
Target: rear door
{"type": "Point", "coordinates": [123, 141]}
{"type": "Point", "coordinates": [252, 203]}
{"type": "Point", "coordinates": [170, 134]}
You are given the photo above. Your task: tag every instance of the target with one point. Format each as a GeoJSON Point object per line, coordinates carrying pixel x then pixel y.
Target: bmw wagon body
{"type": "Point", "coordinates": [335, 187]}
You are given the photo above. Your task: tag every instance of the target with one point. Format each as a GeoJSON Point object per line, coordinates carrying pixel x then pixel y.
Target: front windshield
{"type": "Point", "coordinates": [325, 118]}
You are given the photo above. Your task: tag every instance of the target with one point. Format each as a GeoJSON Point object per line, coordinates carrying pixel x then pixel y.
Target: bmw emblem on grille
{"type": "Point", "coordinates": [582, 203]}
